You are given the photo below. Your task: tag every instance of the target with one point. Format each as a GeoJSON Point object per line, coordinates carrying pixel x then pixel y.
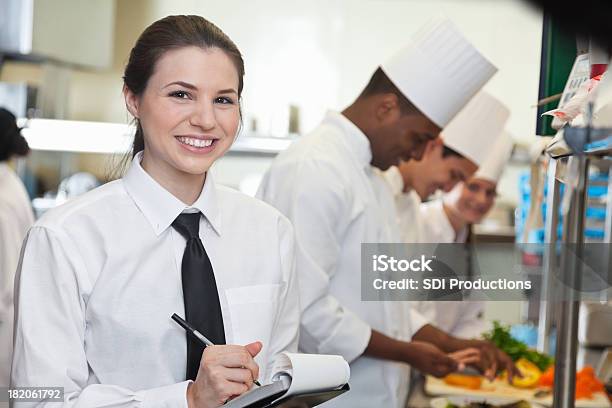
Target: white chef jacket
{"type": "Point", "coordinates": [420, 222]}
{"type": "Point", "coordinates": [413, 227]}
{"type": "Point", "coordinates": [336, 200]}
{"type": "Point", "coordinates": [425, 223]}
{"type": "Point", "coordinates": [435, 224]}
{"type": "Point", "coordinates": [15, 218]}
{"type": "Point", "coordinates": [461, 319]}
{"type": "Point", "coordinates": [101, 275]}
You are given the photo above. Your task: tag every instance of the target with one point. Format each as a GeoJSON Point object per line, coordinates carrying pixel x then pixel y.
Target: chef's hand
{"type": "Point", "coordinates": [429, 359]}
{"type": "Point", "coordinates": [225, 372]}
{"type": "Point", "coordinates": [465, 357]}
{"type": "Point", "coordinates": [492, 360]}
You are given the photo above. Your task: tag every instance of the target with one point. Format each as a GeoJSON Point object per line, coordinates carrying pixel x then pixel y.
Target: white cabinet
{"type": "Point", "coordinates": [74, 31]}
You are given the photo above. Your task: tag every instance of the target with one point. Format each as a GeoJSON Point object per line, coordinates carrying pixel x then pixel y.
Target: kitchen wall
{"type": "Point", "coordinates": [316, 55]}
{"type": "Point", "coordinates": [319, 54]}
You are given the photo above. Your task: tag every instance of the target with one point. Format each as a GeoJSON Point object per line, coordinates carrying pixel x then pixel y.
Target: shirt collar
{"type": "Point", "coordinates": [356, 140]}
{"type": "Point", "coordinates": [445, 225]}
{"type": "Point", "coordinates": [395, 180]}
{"type": "Point", "coordinates": [160, 207]}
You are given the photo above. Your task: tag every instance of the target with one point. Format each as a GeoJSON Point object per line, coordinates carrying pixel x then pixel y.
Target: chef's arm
{"type": "Point", "coordinates": [441, 339]}
{"type": "Point", "coordinates": [423, 356]}
{"type": "Point", "coordinates": [314, 196]}
{"type": "Point", "coordinates": [385, 347]}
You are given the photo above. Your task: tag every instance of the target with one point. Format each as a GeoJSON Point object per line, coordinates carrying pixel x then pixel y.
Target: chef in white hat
{"type": "Point", "coordinates": [326, 183]}
{"type": "Point", "coordinates": [449, 220]}
{"type": "Point", "coordinates": [469, 202]}
{"type": "Point", "coordinates": [464, 145]}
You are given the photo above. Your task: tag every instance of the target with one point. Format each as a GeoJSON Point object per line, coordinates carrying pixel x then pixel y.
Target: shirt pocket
{"type": "Point", "coordinates": [252, 311]}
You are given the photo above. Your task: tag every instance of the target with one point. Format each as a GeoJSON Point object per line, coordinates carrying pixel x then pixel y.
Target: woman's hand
{"type": "Point", "coordinates": [225, 372]}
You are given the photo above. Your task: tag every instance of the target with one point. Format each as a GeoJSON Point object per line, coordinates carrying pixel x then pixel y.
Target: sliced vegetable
{"type": "Point", "coordinates": [461, 380]}
{"type": "Point", "coordinates": [519, 404]}
{"type": "Point", "coordinates": [530, 374]}
{"type": "Point", "coordinates": [586, 382]}
{"type": "Point", "coordinates": [546, 380]}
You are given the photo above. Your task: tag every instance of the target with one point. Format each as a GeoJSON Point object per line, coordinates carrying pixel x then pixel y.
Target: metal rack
{"type": "Point", "coordinates": [579, 140]}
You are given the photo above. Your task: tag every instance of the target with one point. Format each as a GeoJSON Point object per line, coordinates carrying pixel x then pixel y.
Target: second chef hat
{"type": "Point", "coordinates": [497, 159]}
{"type": "Point", "coordinates": [476, 128]}
{"type": "Point", "coordinates": [439, 70]}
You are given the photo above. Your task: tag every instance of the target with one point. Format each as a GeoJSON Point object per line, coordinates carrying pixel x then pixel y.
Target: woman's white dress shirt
{"type": "Point", "coordinates": [15, 218]}
{"type": "Point", "coordinates": [336, 200]}
{"type": "Point", "coordinates": [101, 275]}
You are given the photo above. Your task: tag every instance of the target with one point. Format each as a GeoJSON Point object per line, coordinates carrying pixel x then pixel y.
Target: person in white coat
{"type": "Point", "coordinates": [15, 218]}
{"type": "Point", "coordinates": [464, 145]}
{"type": "Point", "coordinates": [101, 276]}
{"type": "Point", "coordinates": [327, 184]}
{"type": "Point", "coordinates": [450, 220]}
{"type": "Point", "coordinates": [469, 202]}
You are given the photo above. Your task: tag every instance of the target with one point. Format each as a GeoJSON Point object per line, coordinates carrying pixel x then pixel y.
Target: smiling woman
{"type": "Point", "coordinates": [184, 94]}
{"type": "Point", "coordinates": [102, 275]}
{"type": "Point", "coordinates": [187, 115]}
{"type": "Point", "coordinates": [470, 202]}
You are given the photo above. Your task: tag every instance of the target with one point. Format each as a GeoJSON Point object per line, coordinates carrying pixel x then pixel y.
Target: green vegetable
{"type": "Point", "coordinates": [500, 336]}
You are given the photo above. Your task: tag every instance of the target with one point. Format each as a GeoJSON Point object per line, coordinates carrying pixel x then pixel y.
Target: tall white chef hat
{"type": "Point", "coordinates": [493, 167]}
{"type": "Point", "coordinates": [439, 71]}
{"type": "Point", "coordinates": [476, 128]}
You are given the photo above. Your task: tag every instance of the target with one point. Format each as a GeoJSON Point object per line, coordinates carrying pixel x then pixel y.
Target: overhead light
{"type": "Point", "coordinates": [76, 136]}
{"type": "Point", "coordinates": [115, 138]}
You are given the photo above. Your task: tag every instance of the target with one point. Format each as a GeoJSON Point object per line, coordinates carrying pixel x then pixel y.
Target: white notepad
{"type": "Point", "coordinates": [295, 374]}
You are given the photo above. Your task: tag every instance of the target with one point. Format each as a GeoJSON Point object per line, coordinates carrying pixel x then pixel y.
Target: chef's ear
{"type": "Point", "coordinates": [434, 145]}
{"type": "Point", "coordinates": [388, 108]}
{"type": "Point", "coordinates": [437, 143]}
{"type": "Point", "coordinates": [131, 101]}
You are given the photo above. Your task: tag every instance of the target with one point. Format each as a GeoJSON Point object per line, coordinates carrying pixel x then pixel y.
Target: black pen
{"type": "Point", "coordinates": [197, 335]}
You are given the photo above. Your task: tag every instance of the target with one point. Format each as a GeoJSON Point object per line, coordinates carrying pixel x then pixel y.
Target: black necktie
{"type": "Point", "coordinates": [202, 308]}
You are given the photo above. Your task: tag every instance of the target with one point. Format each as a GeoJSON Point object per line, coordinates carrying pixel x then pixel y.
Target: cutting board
{"type": "Point", "coordinates": [499, 388]}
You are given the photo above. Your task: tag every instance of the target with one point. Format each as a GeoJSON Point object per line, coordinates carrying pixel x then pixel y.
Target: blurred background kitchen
{"type": "Point", "coordinates": [61, 64]}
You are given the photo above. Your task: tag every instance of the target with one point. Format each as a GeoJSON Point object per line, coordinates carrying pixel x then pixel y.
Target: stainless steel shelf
{"type": "Point", "coordinates": [33, 58]}
{"type": "Point", "coordinates": [582, 145]}
{"type": "Point", "coordinates": [589, 141]}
